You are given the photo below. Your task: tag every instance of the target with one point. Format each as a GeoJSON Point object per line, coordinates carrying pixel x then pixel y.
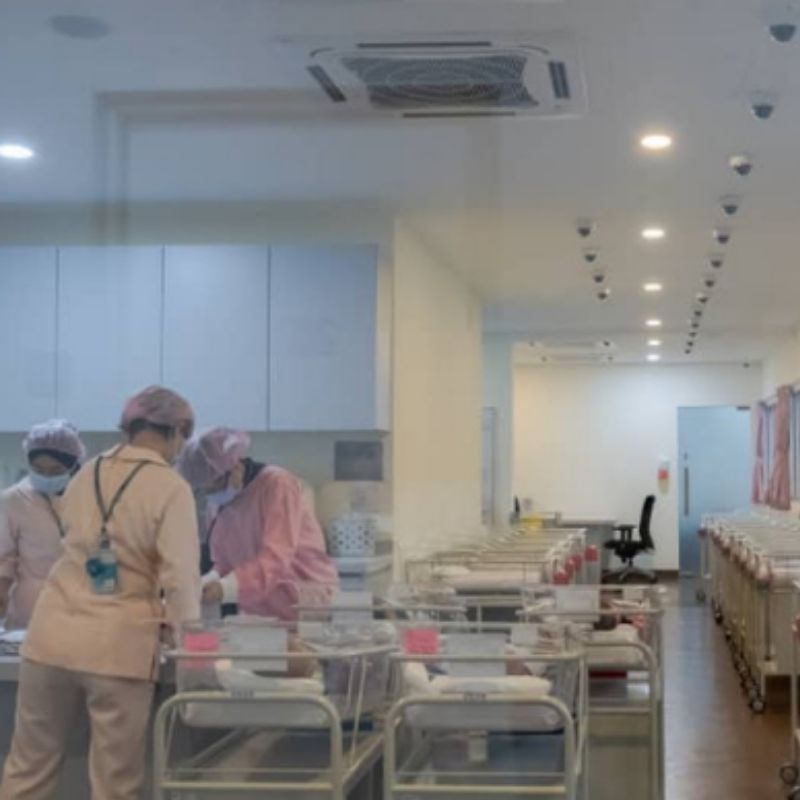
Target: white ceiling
{"type": "Point", "coordinates": [496, 199]}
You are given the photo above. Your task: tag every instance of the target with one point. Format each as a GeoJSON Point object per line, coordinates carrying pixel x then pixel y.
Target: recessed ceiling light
{"type": "Point", "coordinates": [654, 342]}
{"type": "Point", "coordinates": [653, 323]}
{"type": "Point", "coordinates": [653, 287]}
{"type": "Point", "coordinates": [653, 233]}
{"type": "Point", "coordinates": [653, 357]}
{"type": "Point", "coordinates": [656, 141]}
{"type": "Point", "coordinates": [15, 152]}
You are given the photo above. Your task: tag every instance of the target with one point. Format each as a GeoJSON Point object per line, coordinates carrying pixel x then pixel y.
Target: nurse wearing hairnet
{"type": "Point", "coordinates": [94, 638]}
{"type": "Point", "coordinates": [31, 528]}
{"type": "Point", "coordinates": [264, 539]}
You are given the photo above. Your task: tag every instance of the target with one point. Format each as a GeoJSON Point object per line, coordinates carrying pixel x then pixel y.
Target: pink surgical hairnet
{"type": "Point", "coordinates": [159, 406]}
{"type": "Point", "coordinates": [208, 457]}
{"type": "Point", "coordinates": [55, 434]}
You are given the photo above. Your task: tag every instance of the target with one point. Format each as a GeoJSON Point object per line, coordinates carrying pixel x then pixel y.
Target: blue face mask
{"type": "Point", "coordinates": [51, 485]}
{"type": "Point", "coordinates": [223, 497]}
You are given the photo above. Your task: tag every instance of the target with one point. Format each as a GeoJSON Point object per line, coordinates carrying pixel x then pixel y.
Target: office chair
{"type": "Point", "coordinates": [626, 548]}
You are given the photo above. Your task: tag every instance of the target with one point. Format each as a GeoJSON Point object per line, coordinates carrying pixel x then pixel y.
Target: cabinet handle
{"type": "Point", "coordinates": [686, 490]}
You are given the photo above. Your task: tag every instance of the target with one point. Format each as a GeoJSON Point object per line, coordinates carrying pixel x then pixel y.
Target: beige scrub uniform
{"type": "Point", "coordinates": [102, 650]}
{"type": "Point", "coordinates": [30, 543]}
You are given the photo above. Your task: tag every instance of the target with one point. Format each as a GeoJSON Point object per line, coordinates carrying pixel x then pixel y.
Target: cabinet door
{"type": "Point", "coordinates": [215, 332]}
{"type": "Point", "coordinates": [109, 330]}
{"type": "Point", "coordinates": [323, 338]}
{"type": "Point", "coordinates": [28, 336]}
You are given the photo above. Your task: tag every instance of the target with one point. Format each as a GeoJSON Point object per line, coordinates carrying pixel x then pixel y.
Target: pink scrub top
{"type": "Point", "coordinates": [269, 538]}
{"type": "Point", "coordinates": [30, 544]}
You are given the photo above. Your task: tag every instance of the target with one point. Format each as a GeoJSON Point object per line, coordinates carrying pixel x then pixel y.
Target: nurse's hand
{"type": "Point", "coordinates": [212, 594]}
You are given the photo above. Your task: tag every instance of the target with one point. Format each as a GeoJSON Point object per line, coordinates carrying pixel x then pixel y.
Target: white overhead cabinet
{"type": "Point", "coordinates": [28, 336]}
{"type": "Point", "coordinates": [329, 339]}
{"type": "Point", "coordinates": [215, 332]}
{"type": "Point", "coordinates": [109, 330]}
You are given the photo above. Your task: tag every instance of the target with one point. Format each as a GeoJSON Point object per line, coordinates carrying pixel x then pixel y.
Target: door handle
{"type": "Point", "coordinates": [686, 499]}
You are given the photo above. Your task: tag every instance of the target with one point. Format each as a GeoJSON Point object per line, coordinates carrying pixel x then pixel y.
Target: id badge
{"type": "Point", "coordinates": [103, 571]}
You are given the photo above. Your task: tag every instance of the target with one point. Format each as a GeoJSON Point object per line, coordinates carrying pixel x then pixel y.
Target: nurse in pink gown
{"type": "Point", "coordinates": [31, 525]}
{"type": "Point", "coordinates": [264, 539]}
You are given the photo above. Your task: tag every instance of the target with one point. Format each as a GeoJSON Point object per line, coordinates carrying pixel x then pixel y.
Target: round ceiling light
{"type": "Point", "coordinates": [653, 287]}
{"type": "Point", "coordinates": [653, 234]}
{"type": "Point", "coordinates": [16, 152]}
{"type": "Point", "coordinates": [656, 141]}
{"type": "Point", "coordinates": [653, 323]}
{"type": "Point", "coordinates": [76, 26]}
{"type": "Point", "coordinates": [654, 342]}
{"type": "Point", "coordinates": [653, 357]}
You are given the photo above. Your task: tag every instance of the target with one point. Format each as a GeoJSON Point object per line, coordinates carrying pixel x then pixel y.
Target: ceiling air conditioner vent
{"type": "Point", "coordinates": [442, 77]}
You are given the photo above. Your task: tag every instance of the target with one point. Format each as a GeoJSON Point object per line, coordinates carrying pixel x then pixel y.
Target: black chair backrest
{"type": "Point", "coordinates": [644, 522]}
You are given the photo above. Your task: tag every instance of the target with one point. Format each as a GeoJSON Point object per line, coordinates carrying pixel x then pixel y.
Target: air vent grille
{"type": "Point", "coordinates": [475, 82]}
{"type": "Point", "coordinates": [559, 79]}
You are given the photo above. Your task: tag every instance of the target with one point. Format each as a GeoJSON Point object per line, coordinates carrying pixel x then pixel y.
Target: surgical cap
{"type": "Point", "coordinates": [56, 436]}
{"type": "Point", "coordinates": [159, 406]}
{"type": "Point", "coordinates": [211, 455]}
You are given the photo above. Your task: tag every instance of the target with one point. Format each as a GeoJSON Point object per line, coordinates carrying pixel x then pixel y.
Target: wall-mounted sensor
{"type": "Point", "coordinates": [599, 276]}
{"type": "Point", "coordinates": [722, 235]}
{"type": "Point", "coordinates": [585, 228]}
{"type": "Point", "coordinates": [730, 204]}
{"type": "Point", "coordinates": [716, 261]}
{"type": "Point", "coordinates": [590, 255]}
{"type": "Point", "coordinates": [742, 164]}
{"type": "Point", "coordinates": [604, 293]}
{"type": "Point", "coordinates": [782, 32]}
{"type": "Point", "coordinates": [762, 104]}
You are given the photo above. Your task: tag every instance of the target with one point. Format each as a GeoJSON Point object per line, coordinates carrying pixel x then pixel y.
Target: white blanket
{"type": "Point", "coordinates": [483, 716]}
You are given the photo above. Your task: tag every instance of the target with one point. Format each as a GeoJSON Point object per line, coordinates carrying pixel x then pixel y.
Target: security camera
{"type": "Point", "coordinates": [710, 281]}
{"type": "Point", "coordinates": [604, 293]}
{"type": "Point", "coordinates": [585, 228]}
{"type": "Point", "coordinates": [762, 104]}
{"type": "Point", "coordinates": [716, 261]}
{"type": "Point", "coordinates": [722, 235]}
{"type": "Point", "coordinates": [730, 204]}
{"type": "Point", "coordinates": [742, 164]}
{"type": "Point", "coordinates": [590, 255]}
{"type": "Point", "coordinates": [599, 276]}
{"type": "Point", "coordinates": [782, 32]}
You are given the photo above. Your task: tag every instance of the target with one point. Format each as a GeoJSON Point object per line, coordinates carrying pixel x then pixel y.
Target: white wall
{"type": "Point", "coordinates": [783, 366]}
{"type": "Point", "coordinates": [437, 399]}
{"type": "Point", "coordinates": [498, 393]}
{"type": "Point", "coordinates": [588, 440]}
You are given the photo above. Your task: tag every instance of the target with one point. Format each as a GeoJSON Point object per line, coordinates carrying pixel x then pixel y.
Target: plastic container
{"type": "Point", "coordinates": [352, 536]}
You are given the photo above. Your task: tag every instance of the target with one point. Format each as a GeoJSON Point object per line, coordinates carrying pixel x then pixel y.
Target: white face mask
{"type": "Point", "coordinates": [50, 485]}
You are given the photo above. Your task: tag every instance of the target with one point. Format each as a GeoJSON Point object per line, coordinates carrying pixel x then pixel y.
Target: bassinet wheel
{"type": "Point", "coordinates": [790, 774]}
